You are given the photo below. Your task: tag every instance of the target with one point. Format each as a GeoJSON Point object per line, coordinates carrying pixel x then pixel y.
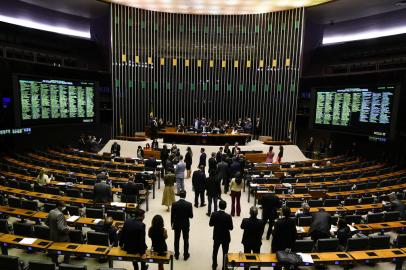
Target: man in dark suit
{"type": "Point", "coordinates": [223, 173]}
{"type": "Point", "coordinates": [58, 228]}
{"type": "Point", "coordinates": [253, 230]}
{"type": "Point", "coordinates": [150, 164]}
{"type": "Point", "coordinates": [164, 154]}
{"type": "Point", "coordinates": [397, 205]}
{"type": "Point", "coordinates": [115, 149]}
{"type": "Point", "coordinates": [219, 154]}
{"type": "Point", "coordinates": [102, 176]}
{"type": "Point", "coordinates": [284, 234]}
{"type": "Point", "coordinates": [257, 128]}
{"type": "Point", "coordinates": [130, 191]}
{"type": "Point", "coordinates": [199, 185]}
{"type": "Point", "coordinates": [132, 237]}
{"type": "Point", "coordinates": [321, 225]}
{"type": "Point", "coordinates": [182, 211]}
{"type": "Point", "coordinates": [270, 205]}
{"type": "Point", "coordinates": [236, 149]}
{"type": "Point", "coordinates": [212, 163]}
{"type": "Point", "coordinates": [102, 192]}
{"type": "Point", "coordinates": [213, 192]}
{"type": "Point", "coordinates": [235, 167]}
{"type": "Point", "coordinates": [223, 224]}
{"type": "Point", "coordinates": [202, 159]}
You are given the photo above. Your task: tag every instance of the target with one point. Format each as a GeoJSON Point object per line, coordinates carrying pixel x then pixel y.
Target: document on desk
{"type": "Point", "coordinates": [118, 204]}
{"type": "Point", "coordinates": [73, 218]}
{"type": "Point", "coordinates": [306, 258]}
{"type": "Point", "coordinates": [97, 220]}
{"type": "Point", "coordinates": [28, 241]}
{"type": "Point", "coordinates": [352, 229]}
{"type": "Point", "coordinates": [299, 229]}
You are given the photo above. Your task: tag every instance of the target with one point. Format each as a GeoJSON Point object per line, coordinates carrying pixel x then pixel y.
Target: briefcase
{"type": "Point", "coordinates": [288, 258]}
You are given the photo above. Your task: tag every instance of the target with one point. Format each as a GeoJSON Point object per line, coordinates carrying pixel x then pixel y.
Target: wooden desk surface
{"type": "Point", "coordinates": [63, 247]}
{"type": "Point", "coordinates": [242, 258]}
{"type": "Point", "coordinates": [16, 212]}
{"type": "Point", "coordinates": [118, 252]}
{"type": "Point", "coordinates": [92, 249]}
{"type": "Point", "coordinates": [12, 239]}
{"type": "Point", "coordinates": [331, 257]}
{"type": "Point", "coordinates": [378, 254]}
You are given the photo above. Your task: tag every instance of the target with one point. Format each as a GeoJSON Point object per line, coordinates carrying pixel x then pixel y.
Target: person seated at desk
{"type": "Point", "coordinates": [321, 225]}
{"type": "Point", "coordinates": [270, 155]}
{"type": "Point", "coordinates": [106, 226]}
{"type": "Point", "coordinates": [154, 144]}
{"type": "Point", "coordinates": [180, 128]}
{"type": "Point", "coordinates": [397, 205]}
{"type": "Point", "coordinates": [140, 152]}
{"type": "Point", "coordinates": [343, 232]}
{"type": "Point", "coordinates": [43, 179]}
{"type": "Point", "coordinates": [147, 147]}
{"type": "Point", "coordinates": [115, 149]}
{"type": "Point", "coordinates": [102, 192]}
{"type": "Point", "coordinates": [130, 190]}
{"type": "Point", "coordinates": [234, 131]}
{"type": "Point", "coordinates": [304, 212]}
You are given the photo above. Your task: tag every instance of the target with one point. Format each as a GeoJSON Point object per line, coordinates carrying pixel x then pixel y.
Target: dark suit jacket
{"type": "Point", "coordinates": [222, 170]}
{"type": "Point", "coordinates": [102, 193]}
{"type": "Point", "coordinates": [181, 212]}
{"type": "Point", "coordinates": [199, 181]}
{"type": "Point", "coordinates": [212, 164]}
{"type": "Point", "coordinates": [397, 205]}
{"type": "Point", "coordinates": [270, 205]}
{"type": "Point", "coordinates": [284, 234]}
{"type": "Point", "coordinates": [219, 155]}
{"type": "Point", "coordinates": [213, 186]}
{"type": "Point", "coordinates": [115, 149]}
{"type": "Point", "coordinates": [58, 228]}
{"type": "Point", "coordinates": [150, 163]}
{"type": "Point", "coordinates": [132, 237]}
{"type": "Point", "coordinates": [253, 230]}
{"type": "Point", "coordinates": [202, 160]}
{"type": "Point", "coordinates": [129, 192]}
{"type": "Point", "coordinates": [321, 223]}
{"type": "Point", "coordinates": [234, 168]}
{"type": "Point", "coordinates": [223, 224]}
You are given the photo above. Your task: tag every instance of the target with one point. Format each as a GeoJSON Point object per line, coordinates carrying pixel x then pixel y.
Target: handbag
{"type": "Point", "coordinates": [288, 258]}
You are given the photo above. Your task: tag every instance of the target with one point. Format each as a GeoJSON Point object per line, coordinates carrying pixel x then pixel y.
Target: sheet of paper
{"type": "Point", "coordinates": [73, 218]}
{"type": "Point", "coordinates": [299, 229]}
{"type": "Point", "coordinates": [352, 228]}
{"type": "Point", "coordinates": [61, 184]}
{"type": "Point", "coordinates": [118, 204]}
{"type": "Point", "coordinates": [28, 241]}
{"type": "Point", "coordinates": [306, 258]}
{"type": "Point", "coordinates": [96, 221]}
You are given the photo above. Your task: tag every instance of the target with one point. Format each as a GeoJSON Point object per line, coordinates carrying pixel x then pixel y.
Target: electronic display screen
{"type": "Point", "coordinates": [55, 101]}
{"type": "Point", "coordinates": [362, 110]}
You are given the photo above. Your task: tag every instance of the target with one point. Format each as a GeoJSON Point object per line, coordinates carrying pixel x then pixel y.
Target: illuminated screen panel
{"type": "Point", "coordinates": [362, 110]}
{"type": "Point", "coordinates": [53, 101]}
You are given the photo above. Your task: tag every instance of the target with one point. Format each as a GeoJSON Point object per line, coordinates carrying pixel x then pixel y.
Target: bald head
{"type": "Point", "coordinates": [253, 211]}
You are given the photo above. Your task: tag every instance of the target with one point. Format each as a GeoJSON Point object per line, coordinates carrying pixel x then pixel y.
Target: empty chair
{"type": "Point", "coordinates": [14, 202]}
{"type": "Point", "coordinates": [87, 194]}
{"type": "Point", "coordinates": [49, 206]}
{"type": "Point", "coordinates": [327, 245]}
{"type": "Point", "coordinates": [71, 192]}
{"type": "Point", "coordinates": [294, 204]}
{"type": "Point", "coordinates": [391, 216]}
{"type": "Point", "coordinates": [76, 236]}
{"type": "Point", "coordinates": [305, 246]}
{"type": "Point", "coordinates": [23, 229]}
{"type": "Point", "coordinates": [305, 221]}
{"type": "Point", "coordinates": [4, 228]}
{"type": "Point", "coordinates": [351, 201]}
{"type": "Point", "coordinates": [331, 202]}
{"type": "Point", "coordinates": [354, 244]}
{"type": "Point", "coordinates": [40, 189]}
{"type": "Point", "coordinates": [315, 203]}
{"type": "Point", "coordinates": [35, 265]}
{"type": "Point", "coordinates": [301, 190]}
{"type": "Point", "coordinates": [89, 182]}
{"type": "Point", "coordinates": [64, 266]}
{"type": "Point", "coordinates": [281, 190]}
{"type": "Point", "coordinates": [353, 219]}
{"type": "Point", "coordinates": [10, 263]}
{"type": "Point", "coordinates": [400, 241]}
{"type": "Point", "coordinates": [12, 183]}
{"type": "Point", "coordinates": [366, 200]}
{"type": "Point", "coordinates": [116, 215]}
{"type": "Point", "coordinates": [29, 205]}
{"type": "Point", "coordinates": [374, 218]}
{"type": "Point", "coordinates": [94, 213]}
{"type": "Point", "coordinates": [379, 242]}
{"type": "Point", "coordinates": [53, 190]}
{"type": "Point", "coordinates": [97, 238]}
{"type": "Point", "coordinates": [24, 185]}
{"type": "Point", "coordinates": [41, 232]}
{"type": "Point", "coordinates": [73, 210]}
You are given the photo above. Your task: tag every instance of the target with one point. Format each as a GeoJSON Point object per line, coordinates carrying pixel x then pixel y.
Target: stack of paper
{"type": "Point", "coordinates": [73, 218]}
{"type": "Point", "coordinates": [28, 241]}
{"type": "Point", "coordinates": [299, 229]}
{"type": "Point", "coordinates": [306, 258]}
{"type": "Point", "coordinates": [118, 204]}
{"type": "Point", "coordinates": [96, 221]}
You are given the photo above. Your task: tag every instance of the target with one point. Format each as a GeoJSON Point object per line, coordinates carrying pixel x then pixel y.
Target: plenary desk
{"type": "Point", "coordinates": [10, 240]}
{"type": "Point", "coordinates": [203, 139]}
{"type": "Point", "coordinates": [394, 255]}
{"type": "Point", "coordinates": [117, 254]}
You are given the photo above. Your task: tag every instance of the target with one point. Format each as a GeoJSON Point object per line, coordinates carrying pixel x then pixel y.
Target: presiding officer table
{"type": "Point", "coordinates": [203, 138]}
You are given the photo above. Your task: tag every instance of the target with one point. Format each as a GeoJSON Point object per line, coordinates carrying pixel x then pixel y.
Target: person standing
{"type": "Point", "coordinates": [321, 225]}
{"type": "Point", "coordinates": [58, 228]}
{"type": "Point", "coordinates": [227, 150]}
{"type": "Point", "coordinates": [130, 191]}
{"type": "Point", "coordinates": [257, 128]}
{"type": "Point", "coordinates": [236, 149]}
{"type": "Point", "coordinates": [236, 187]}
{"type": "Point", "coordinates": [284, 234]}
{"type": "Point", "coordinates": [180, 174]}
{"type": "Point", "coordinates": [280, 155]}
{"type": "Point", "coordinates": [158, 235]}
{"type": "Point", "coordinates": [155, 145]}
{"type": "Point", "coordinates": [270, 155]}
{"type": "Point", "coordinates": [102, 192]}
{"type": "Point", "coordinates": [219, 154]}
{"type": "Point", "coordinates": [270, 205]}
{"type": "Point", "coordinates": [115, 149]}
{"type": "Point", "coordinates": [212, 163]}
{"type": "Point", "coordinates": [164, 154]}
{"type": "Point", "coordinates": [168, 197]}
{"type": "Point", "coordinates": [213, 192]}
{"type": "Point", "coordinates": [188, 161]}
{"type": "Point", "coordinates": [253, 230]}
{"type": "Point", "coordinates": [140, 153]}
{"type": "Point", "coordinates": [222, 224]}
{"type": "Point", "coordinates": [199, 185]}
{"type": "Point", "coordinates": [132, 237]}
{"type": "Point", "coordinates": [182, 211]}
{"type": "Point", "coordinates": [223, 173]}
{"type": "Point", "coordinates": [202, 159]}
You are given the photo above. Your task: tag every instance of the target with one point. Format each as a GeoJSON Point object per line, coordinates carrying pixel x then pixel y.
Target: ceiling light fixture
{"type": "Point", "coordinates": [45, 27]}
